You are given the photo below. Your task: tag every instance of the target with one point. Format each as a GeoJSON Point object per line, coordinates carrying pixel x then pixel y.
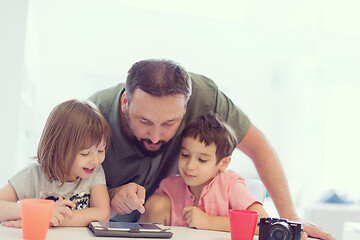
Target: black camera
{"type": "Point", "coordinates": [279, 229]}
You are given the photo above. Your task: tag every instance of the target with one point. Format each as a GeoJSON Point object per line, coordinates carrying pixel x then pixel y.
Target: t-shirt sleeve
{"type": "Point", "coordinates": [207, 97]}
{"type": "Point", "coordinates": [163, 187]}
{"type": "Point", "coordinates": [98, 177]}
{"type": "Point", "coordinates": [105, 98]}
{"type": "Point", "coordinates": [232, 115]}
{"type": "Point", "coordinates": [24, 182]}
{"type": "Point", "coordinates": [171, 186]}
{"type": "Point", "coordinates": [239, 196]}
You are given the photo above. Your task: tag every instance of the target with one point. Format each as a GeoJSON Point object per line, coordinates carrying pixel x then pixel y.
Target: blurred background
{"type": "Point", "coordinates": [292, 66]}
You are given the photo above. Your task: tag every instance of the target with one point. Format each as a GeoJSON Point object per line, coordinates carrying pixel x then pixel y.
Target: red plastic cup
{"type": "Point", "coordinates": [242, 224]}
{"type": "Point", "coordinates": [35, 218]}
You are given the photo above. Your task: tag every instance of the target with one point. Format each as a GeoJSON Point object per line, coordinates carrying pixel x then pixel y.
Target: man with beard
{"type": "Point", "coordinates": [147, 115]}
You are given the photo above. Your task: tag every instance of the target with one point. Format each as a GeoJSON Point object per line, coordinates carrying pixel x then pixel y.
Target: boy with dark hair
{"type": "Point", "coordinates": [202, 195]}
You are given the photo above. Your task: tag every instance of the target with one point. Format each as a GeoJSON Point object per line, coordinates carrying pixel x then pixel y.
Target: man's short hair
{"type": "Point", "coordinates": [158, 77]}
{"type": "Point", "coordinates": [210, 128]}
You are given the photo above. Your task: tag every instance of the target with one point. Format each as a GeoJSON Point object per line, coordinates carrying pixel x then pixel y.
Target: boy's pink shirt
{"type": "Point", "coordinates": [226, 191]}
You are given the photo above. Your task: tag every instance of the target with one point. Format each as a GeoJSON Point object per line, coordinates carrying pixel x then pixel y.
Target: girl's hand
{"type": "Point", "coordinates": [12, 223]}
{"type": "Point", "coordinates": [195, 217]}
{"type": "Point", "coordinates": [61, 212]}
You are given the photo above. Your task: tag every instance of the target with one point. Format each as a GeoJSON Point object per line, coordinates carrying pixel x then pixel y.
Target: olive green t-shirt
{"type": "Point", "coordinates": [124, 163]}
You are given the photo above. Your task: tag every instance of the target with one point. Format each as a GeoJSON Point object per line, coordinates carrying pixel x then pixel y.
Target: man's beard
{"type": "Point", "coordinates": [141, 143]}
{"type": "Point", "coordinates": [142, 148]}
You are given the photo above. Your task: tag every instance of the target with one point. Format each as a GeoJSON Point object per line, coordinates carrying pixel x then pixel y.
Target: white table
{"type": "Point", "coordinates": [351, 231]}
{"type": "Point", "coordinates": [332, 217]}
{"type": "Point", "coordinates": [80, 233]}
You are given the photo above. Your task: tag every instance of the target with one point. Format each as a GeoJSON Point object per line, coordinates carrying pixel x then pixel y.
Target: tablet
{"type": "Point", "coordinates": [130, 229]}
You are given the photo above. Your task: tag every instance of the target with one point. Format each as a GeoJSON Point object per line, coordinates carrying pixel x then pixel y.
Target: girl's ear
{"type": "Point", "coordinates": [224, 163]}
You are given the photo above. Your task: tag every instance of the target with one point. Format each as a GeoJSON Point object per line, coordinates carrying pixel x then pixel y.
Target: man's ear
{"type": "Point", "coordinates": [123, 102]}
{"type": "Point", "coordinates": [224, 163]}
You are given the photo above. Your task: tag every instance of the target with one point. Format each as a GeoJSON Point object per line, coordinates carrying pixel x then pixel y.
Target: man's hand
{"type": "Point", "coordinates": [315, 231]}
{"type": "Point", "coordinates": [312, 230]}
{"type": "Point", "coordinates": [127, 198]}
{"type": "Point", "coordinates": [195, 217]}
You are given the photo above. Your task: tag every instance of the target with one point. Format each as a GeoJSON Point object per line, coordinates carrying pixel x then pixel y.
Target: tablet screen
{"type": "Point", "coordinates": [128, 225]}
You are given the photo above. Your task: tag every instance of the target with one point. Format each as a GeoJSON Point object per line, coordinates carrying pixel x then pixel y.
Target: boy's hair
{"type": "Point", "coordinates": [208, 129]}
{"type": "Point", "coordinates": [72, 126]}
{"type": "Point", "coordinates": [158, 77]}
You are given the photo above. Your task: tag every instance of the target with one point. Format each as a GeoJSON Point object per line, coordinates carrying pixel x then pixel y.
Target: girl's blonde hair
{"type": "Point", "coordinates": [72, 126]}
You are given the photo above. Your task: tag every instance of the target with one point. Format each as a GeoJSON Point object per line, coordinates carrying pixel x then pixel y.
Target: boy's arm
{"type": "Point", "coordinates": [196, 218]}
{"type": "Point", "coordinates": [99, 209]}
{"type": "Point", "coordinates": [199, 219]}
{"type": "Point", "coordinates": [257, 207]}
{"type": "Point", "coordinates": [157, 210]}
{"type": "Point", "coordinates": [9, 208]}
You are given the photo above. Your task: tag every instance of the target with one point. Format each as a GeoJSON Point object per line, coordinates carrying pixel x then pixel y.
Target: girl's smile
{"type": "Point", "coordinates": [87, 160]}
{"type": "Point", "coordinates": [89, 170]}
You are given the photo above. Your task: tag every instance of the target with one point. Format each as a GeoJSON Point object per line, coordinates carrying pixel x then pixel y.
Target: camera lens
{"type": "Point", "coordinates": [279, 231]}
{"type": "Point", "coordinates": [277, 234]}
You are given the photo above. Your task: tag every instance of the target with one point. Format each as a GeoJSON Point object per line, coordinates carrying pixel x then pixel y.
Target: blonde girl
{"type": "Point", "coordinates": [68, 169]}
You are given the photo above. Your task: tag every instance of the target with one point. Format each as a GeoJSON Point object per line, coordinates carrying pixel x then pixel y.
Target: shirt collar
{"type": "Point", "coordinates": [206, 188]}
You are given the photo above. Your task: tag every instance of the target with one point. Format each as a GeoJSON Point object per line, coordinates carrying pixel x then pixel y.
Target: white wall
{"type": "Point", "coordinates": [12, 76]}
{"type": "Point", "coordinates": [279, 61]}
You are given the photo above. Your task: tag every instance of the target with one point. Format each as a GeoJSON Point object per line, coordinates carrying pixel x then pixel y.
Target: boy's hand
{"type": "Point", "coordinates": [61, 212]}
{"type": "Point", "coordinates": [195, 217]}
{"type": "Point", "coordinates": [12, 223]}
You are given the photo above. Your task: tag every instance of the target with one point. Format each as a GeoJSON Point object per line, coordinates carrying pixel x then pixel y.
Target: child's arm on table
{"type": "Point", "coordinates": [9, 208]}
{"type": "Point", "coordinates": [99, 209]}
{"type": "Point", "coordinates": [157, 210]}
{"type": "Point", "coordinates": [196, 218]}
{"type": "Point", "coordinates": [61, 211]}
{"type": "Point", "coordinates": [257, 207]}
{"type": "Point", "coordinates": [201, 220]}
